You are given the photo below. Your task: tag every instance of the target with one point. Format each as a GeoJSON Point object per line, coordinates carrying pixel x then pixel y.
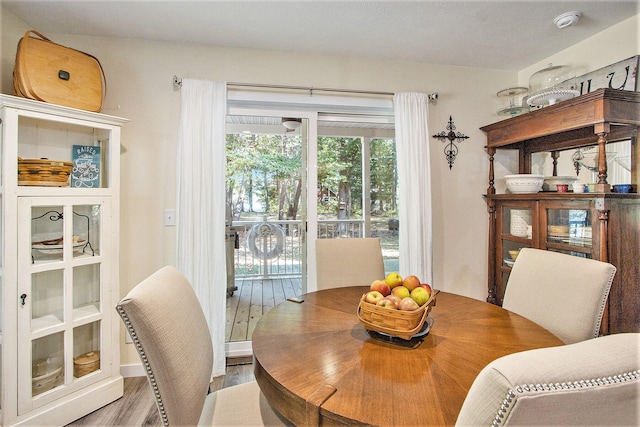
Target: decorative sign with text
{"type": "Point", "coordinates": [86, 166]}
{"type": "Point", "coordinates": [621, 75]}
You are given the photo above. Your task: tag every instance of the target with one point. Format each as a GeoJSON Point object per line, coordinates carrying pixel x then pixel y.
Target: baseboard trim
{"type": "Point", "coordinates": [235, 352]}
{"type": "Point", "coordinates": [135, 370]}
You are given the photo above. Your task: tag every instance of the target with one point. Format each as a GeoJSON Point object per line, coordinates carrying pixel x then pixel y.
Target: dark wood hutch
{"type": "Point", "coordinates": [607, 227]}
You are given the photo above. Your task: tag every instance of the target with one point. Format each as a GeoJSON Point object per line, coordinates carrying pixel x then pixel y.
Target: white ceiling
{"type": "Point", "coordinates": [504, 35]}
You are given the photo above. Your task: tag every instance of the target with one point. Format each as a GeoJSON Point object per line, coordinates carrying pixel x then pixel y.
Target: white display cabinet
{"type": "Point", "coordinates": [59, 332]}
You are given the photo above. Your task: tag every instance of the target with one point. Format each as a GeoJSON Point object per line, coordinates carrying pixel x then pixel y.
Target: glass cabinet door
{"type": "Point", "coordinates": [517, 232]}
{"type": "Point", "coordinates": [61, 292]}
{"type": "Point", "coordinates": [569, 231]}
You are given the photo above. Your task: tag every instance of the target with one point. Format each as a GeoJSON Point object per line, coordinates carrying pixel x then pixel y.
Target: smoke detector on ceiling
{"type": "Point", "coordinates": [567, 19]}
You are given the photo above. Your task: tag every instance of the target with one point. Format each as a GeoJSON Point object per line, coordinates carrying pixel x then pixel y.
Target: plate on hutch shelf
{"type": "Point", "coordinates": [57, 248]}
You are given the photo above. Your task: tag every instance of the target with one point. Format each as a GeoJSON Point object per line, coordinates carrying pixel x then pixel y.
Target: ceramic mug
{"type": "Point", "coordinates": [562, 188]}
{"type": "Point", "coordinates": [622, 188]}
{"type": "Point", "coordinates": [578, 188]}
{"type": "Point", "coordinates": [592, 188]}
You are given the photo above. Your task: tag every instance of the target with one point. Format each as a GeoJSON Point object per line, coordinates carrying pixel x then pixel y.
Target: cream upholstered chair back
{"type": "Point", "coordinates": [348, 262]}
{"type": "Point", "coordinates": [562, 293]}
{"type": "Point", "coordinates": [168, 328]}
{"type": "Point", "coordinates": [593, 382]}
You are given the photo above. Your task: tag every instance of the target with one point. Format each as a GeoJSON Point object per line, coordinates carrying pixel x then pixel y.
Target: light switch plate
{"type": "Point", "coordinates": [169, 218]}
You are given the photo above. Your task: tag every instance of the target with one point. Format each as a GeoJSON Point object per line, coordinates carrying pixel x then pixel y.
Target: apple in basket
{"type": "Point", "coordinates": [373, 297]}
{"type": "Point", "coordinates": [420, 295]}
{"type": "Point", "coordinates": [411, 282]}
{"type": "Point", "coordinates": [400, 292]}
{"type": "Point", "coordinates": [395, 299]}
{"type": "Point", "coordinates": [380, 286]}
{"type": "Point", "coordinates": [393, 279]}
{"type": "Point", "coordinates": [408, 304]}
{"type": "Point", "coordinates": [388, 303]}
{"type": "Point", "coordinates": [427, 287]}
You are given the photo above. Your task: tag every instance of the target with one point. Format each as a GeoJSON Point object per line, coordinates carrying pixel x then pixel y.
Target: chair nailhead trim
{"type": "Point", "coordinates": [525, 388]}
{"type": "Point", "coordinates": [145, 362]}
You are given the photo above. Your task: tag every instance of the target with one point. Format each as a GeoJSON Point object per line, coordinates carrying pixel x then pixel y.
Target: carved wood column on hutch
{"type": "Point", "coordinates": [602, 225]}
{"type": "Point", "coordinates": [59, 335]}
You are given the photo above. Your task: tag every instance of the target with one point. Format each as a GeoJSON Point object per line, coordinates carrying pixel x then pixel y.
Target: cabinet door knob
{"type": "Point", "coordinates": [23, 297]}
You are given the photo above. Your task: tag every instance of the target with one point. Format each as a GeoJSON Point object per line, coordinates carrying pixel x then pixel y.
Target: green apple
{"type": "Point", "coordinates": [420, 295]}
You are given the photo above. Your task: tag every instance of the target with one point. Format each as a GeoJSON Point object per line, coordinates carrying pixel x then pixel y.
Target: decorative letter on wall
{"type": "Point", "coordinates": [451, 149]}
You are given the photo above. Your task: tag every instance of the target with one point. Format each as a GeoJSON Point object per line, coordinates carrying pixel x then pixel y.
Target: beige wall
{"type": "Point", "coordinates": [139, 75]}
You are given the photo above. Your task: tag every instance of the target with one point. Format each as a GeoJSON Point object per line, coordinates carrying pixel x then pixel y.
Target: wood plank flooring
{"type": "Point", "coordinates": [137, 408]}
{"type": "Point", "coordinates": [254, 298]}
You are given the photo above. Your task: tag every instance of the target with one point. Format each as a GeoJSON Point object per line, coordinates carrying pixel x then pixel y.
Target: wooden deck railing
{"type": "Point", "coordinates": [274, 248]}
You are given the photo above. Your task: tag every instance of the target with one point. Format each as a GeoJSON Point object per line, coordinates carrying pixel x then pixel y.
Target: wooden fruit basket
{"type": "Point", "coordinates": [44, 172]}
{"type": "Point", "coordinates": [398, 323]}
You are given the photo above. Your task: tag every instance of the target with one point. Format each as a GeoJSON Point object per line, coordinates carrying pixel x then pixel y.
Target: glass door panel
{"type": "Point", "coordinates": [569, 226]}
{"type": "Point", "coordinates": [86, 230]}
{"type": "Point", "coordinates": [86, 291]}
{"type": "Point", "coordinates": [517, 222]}
{"type": "Point", "coordinates": [86, 349]}
{"type": "Point", "coordinates": [47, 363]}
{"type": "Point", "coordinates": [47, 299]}
{"type": "Point", "coordinates": [47, 233]}
{"type": "Point", "coordinates": [266, 216]}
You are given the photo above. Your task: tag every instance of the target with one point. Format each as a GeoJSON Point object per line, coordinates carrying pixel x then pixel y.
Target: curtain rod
{"type": "Point", "coordinates": [177, 83]}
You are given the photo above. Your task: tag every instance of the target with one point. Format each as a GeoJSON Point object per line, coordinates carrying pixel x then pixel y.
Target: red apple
{"type": "Point", "coordinates": [373, 297]}
{"type": "Point", "coordinates": [400, 292]}
{"type": "Point", "coordinates": [411, 282]}
{"type": "Point", "coordinates": [408, 304]}
{"type": "Point", "coordinates": [380, 286]}
{"type": "Point", "coordinates": [395, 298]}
{"type": "Point", "coordinates": [427, 287]}
{"type": "Point", "coordinates": [388, 303]}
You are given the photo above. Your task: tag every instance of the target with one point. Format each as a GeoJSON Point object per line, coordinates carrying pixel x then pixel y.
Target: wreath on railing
{"type": "Point", "coordinates": [265, 231]}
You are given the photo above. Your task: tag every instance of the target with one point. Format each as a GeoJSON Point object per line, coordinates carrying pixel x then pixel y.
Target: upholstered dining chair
{"type": "Point", "coordinates": [168, 328]}
{"type": "Point", "coordinates": [348, 262]}
{"type": "Point", "coordinates": [592, 382]}
{"type": "Point", "coordinates": [562, 293]}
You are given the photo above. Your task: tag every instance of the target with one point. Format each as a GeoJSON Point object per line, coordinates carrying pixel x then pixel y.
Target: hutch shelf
{"type": "Point", "coordinates": [601, 225]}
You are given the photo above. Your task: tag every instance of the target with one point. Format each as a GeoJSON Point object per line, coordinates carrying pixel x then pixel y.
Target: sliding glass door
{"type": "Point", "coordinates": [295, 175]}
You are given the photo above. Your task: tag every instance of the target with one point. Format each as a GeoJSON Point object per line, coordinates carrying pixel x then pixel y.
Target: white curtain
{"type": "Point", "coordinates": [200, 213]}
{"type": "Point", "coordinates": [414, 185]}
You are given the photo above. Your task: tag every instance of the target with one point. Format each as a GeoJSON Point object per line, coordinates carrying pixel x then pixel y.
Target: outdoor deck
{"type": "Point", "coordinates": [254, 297]}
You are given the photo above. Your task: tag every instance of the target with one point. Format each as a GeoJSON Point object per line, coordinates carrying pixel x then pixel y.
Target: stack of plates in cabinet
{"type": "Point", "coordinates": [558, 232]}
{"type": "Point", "coordinates": [520, 223]}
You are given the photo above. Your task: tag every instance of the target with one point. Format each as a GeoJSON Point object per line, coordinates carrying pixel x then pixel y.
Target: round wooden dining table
{"type": "Point", "coordinates": [317, 365]}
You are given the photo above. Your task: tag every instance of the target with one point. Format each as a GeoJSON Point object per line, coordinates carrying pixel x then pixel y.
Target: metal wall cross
{"type": "Point", "coordinates": [451, 149]}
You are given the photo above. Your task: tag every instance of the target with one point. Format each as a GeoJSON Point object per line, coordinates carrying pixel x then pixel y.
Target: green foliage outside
{"type": "Point", "coordinates": [263, 175]}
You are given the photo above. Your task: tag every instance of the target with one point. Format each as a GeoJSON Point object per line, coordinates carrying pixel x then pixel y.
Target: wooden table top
{"type": "Point", "coordinates": [315, 362]}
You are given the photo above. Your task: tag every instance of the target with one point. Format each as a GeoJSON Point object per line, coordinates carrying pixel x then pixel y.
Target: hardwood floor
{"type": "Point", "coordinates": [137, 408]}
